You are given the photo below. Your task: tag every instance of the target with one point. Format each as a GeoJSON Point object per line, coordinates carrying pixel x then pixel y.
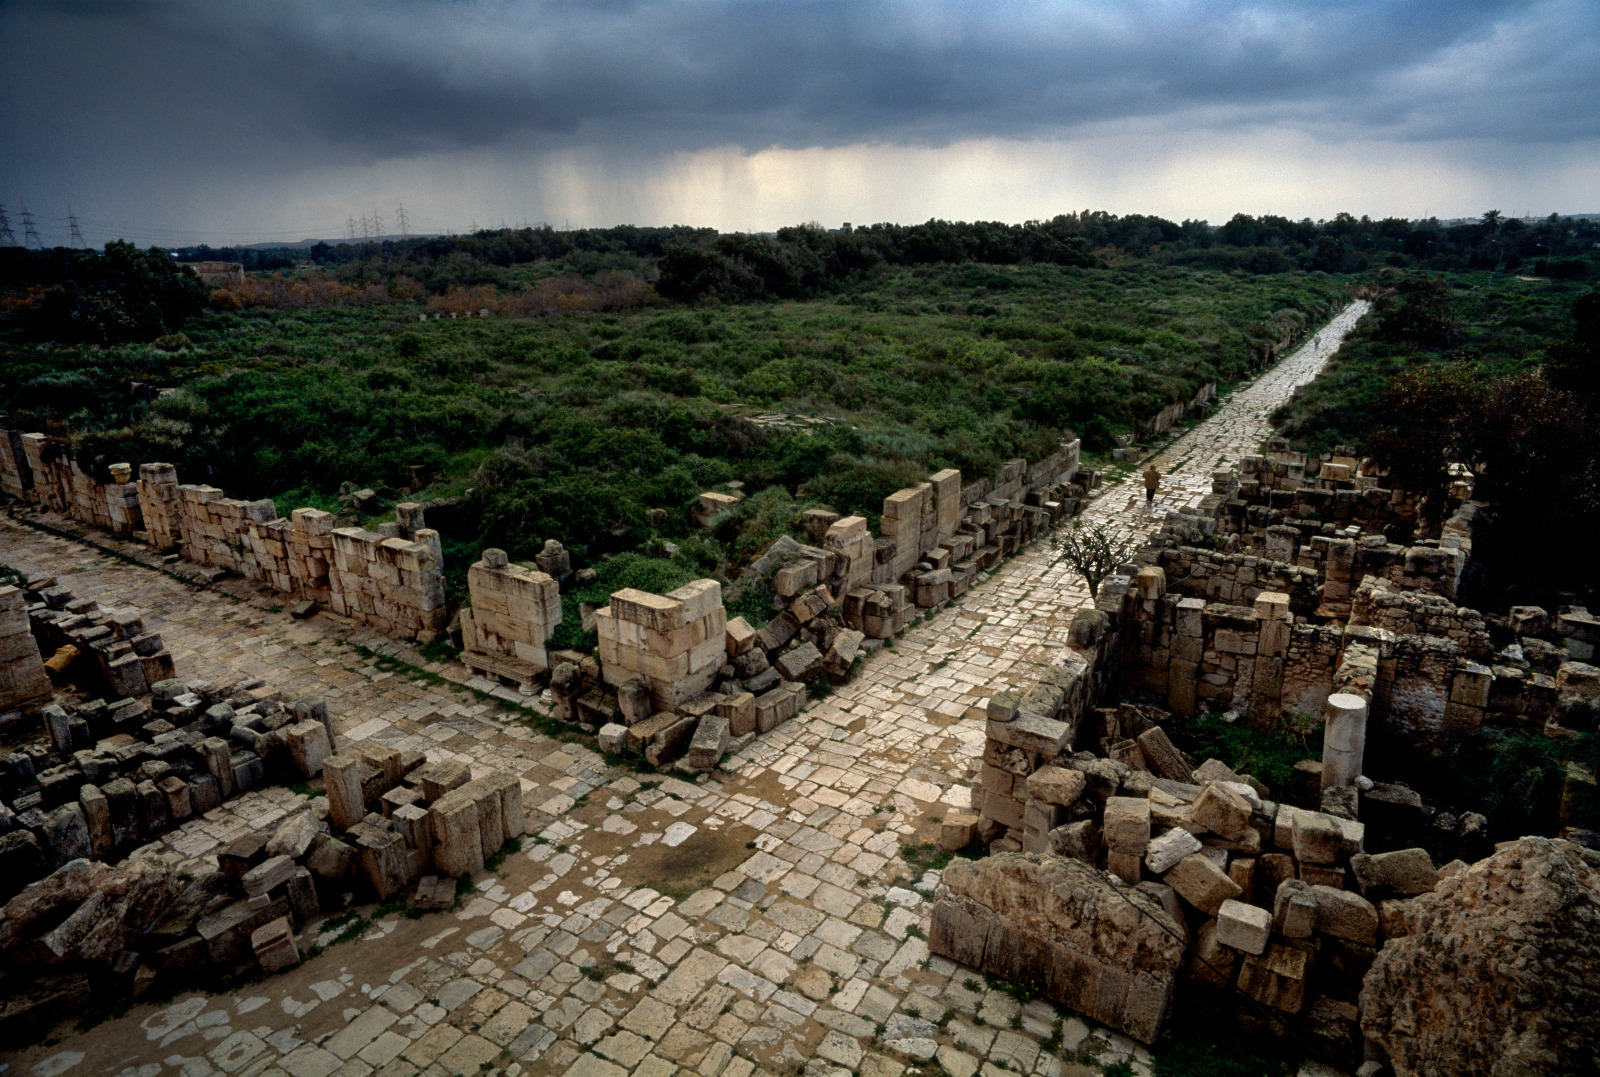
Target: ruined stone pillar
{"type": "Point", "coordinates": [1344, 739]}
{"type": "Point", "coordinates": [219, 764]}
{"type": "Point", "coordinates": [341, 776]}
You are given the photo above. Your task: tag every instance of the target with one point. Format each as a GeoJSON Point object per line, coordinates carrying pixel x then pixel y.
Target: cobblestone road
{"type": "Point", "coordinates": [759, 921]}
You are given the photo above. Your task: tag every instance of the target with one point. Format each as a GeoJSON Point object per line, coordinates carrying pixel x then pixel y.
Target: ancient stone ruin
{"type": "Point", "coordinates": [1254, 605]}
{"type": "Point", "coordinates": [133, 752]}
{"type": "Point", "coordinates": [391, 579]}
{"type": "Point", "coordinates": [677, 679]}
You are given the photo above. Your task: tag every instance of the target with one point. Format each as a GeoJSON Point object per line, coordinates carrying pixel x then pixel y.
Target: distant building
{"type": "Point", "coordinates": [218, 274]}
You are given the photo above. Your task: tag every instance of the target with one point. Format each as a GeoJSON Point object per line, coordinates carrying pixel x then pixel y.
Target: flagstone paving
{"type": "Point", "coordinates": [759, 921]}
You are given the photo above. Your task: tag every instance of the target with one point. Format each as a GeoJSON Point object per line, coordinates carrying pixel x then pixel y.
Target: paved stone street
{"type": "Point", "coordinates": [760, 920]}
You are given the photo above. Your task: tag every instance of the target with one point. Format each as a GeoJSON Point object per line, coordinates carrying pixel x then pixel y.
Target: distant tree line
{"type": "Point", "coordinates": [94, 297]}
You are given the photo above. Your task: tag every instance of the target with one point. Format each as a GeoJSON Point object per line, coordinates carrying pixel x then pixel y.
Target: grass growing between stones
{"type": "Point", "coordinates": [1268, 754]}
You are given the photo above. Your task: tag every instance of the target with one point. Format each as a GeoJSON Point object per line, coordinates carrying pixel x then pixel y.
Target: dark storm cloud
{"type": "Point", "coordinates": [150, 95]}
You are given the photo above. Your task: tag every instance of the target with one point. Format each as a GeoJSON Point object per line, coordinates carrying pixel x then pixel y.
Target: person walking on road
{"type": "Point", "coordinates": [1152, 483]}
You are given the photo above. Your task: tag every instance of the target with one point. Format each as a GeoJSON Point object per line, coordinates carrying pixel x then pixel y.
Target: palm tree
{"type": "Point", "coordinates": [1491, 221]}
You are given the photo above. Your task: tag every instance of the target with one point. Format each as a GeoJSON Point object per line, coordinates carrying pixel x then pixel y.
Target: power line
{"type": "Point", "coordinates": [400, 221]}
{"type": "Point", "coordinates": [377, 225]}
{"type": "Point", "coordinates": [350, 228]}
{"type": "Point", "coordinates": [30, 234]}
{"type": "Point", "coordinates": [8, 238]}
{"type": "Point", "coordinates": [77, 233]}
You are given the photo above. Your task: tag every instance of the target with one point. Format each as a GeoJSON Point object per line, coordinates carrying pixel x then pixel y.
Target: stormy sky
{"type": "Point", "coordinates": [230, 121]}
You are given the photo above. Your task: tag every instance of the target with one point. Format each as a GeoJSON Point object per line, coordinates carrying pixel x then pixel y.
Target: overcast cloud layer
{"type": "Point", "coordinates": [181, 121]}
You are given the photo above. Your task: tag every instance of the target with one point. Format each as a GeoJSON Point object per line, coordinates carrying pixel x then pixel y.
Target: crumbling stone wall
{"type": "Point", "coordinates": [22, 677]}
{"type": "Point", "coordinates": [675, 642]}
{"type": "Point", "coordinates": [392, 579]}
{"type": "Point", "coordinates": [513, 613]}
{"type": "Point", "coordinates": [1382, 603]}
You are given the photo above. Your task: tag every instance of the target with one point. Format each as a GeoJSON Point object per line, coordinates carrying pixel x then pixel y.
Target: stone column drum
{"type": "Point", "coordinates": [1344, 739]}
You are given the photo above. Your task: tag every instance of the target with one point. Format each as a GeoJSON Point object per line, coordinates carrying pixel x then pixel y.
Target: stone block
{"type": "Point", "coordinates": [1169, 848]}
{"type": "Point", "coordinates": [1223, 811]}
{"type": "Point", "coordinates": [740, 711]}
{"type": "Point", "coordinates": [1294, 910]}
{"type": "Point", "coordinates": [1201, 883]}
{"type": "Point", "coordinates": [331, 859]}
{"type": "Point", "coordinates": [274, 946]}
{"type": "Point", "coordinates": [1346, 915]}
{"type": "Point", "coordinates": [956, 832]}
{"type": "Point", "coordinates": [1056, 923]}
{"type": "Point", "coordinates": [267, 876]}
{"type": "Point", "coordinates": [613, 737]}
{"type": "Point", "coordinates": [1126, 825]}
{"type": "Point", "coordinates": [1056, 785]}
{"type": "Point", "coordinates": [227, 932]}
{"type": "Point", "coordinates": [1161, 756]}
{"type": "Point", "coordinates": [439, 778]}
{"type": "Point", "coordinates": [308, 746]}
{"type": "Point", "coordinates": [1246, 928]}
{"type": "Point", "coordinates": [1277, 978]}
{"type": "Point", "coordinates": [1406, 872]}
{"type": "Point", "coordinates": [709, 742]}
{"type": "Point", "coordinates": [458, 847]}
{"type": "Point", "coordinates": [740, 636]}
{"type": "Point", "coordinates": [1317, 838]}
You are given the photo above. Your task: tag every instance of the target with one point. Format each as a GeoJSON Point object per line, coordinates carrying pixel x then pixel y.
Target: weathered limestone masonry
{"type": "Point", "coordinates": [934, 539]}
{"type": "Point", "coordinates": [23, 681]}
{"type": "Point", "coordinates": [1167, 417]}
{"type": "Point", "coordinates": [1362, 615]}
{"type": "Point", "coordinates": [109, 649]}
{"type": "Point", "coordinates": [1278, 901]}
{"type": "Point", "coordinates": [86, 813]}
{"type": "Point", "coordinates": [513, 613]}
{"type": "Point", "coordinates": [149, 752]}
{"type": "Point", "coordinates": [392, 579]}
{"type": "Point", "coordinates": [675, 644]}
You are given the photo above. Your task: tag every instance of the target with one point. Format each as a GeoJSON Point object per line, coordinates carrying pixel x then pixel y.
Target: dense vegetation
{"type": "Point", "coordinates": [578, 425]}
{"type": "Point", "coordinates": [120, 296]}
{"type": "Point", "coordinates": [1495, 373]}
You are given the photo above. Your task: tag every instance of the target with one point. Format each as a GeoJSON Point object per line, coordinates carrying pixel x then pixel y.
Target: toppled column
{"type": "Point", "coordinates": [1344, 740]}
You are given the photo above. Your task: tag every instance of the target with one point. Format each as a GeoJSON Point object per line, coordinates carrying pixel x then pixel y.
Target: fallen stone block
{"type": "Point", "coordinates": [1168, 849]}
{"type": "Point", "coordinates": [268, 875]}
{"type": "Point", "coordinates": [1246, 928]}
{"type": "Point", "coordinates": [294, 835]}
{"type": "Point", "coordinates": [1126, 825]}
{"type": "Point", "coordinates": [613, 738]}
{"type": "Point", "coordinates": [1277, 978]}
{"type": "Point", "coordinates": [274, 946]}
{"type": "Point", "coordinates": [1222, 811]}
{"type": "Point", "coordinates": [1407, 872]}
{"type": "Point", "coordinates": [1346, 915]}
{"type": "Point", "coordinates": [435, 892]}
{"type": "Point", "coordinates": [1056, 785]}
{"type": "Point", "coordinates": [956, 832]}
{"type": "Point", "coordinates": [710, 740]}
{"type": "Point", "coordinates": [1201, 883]}
{"type": "Point", "coordinates": [1318, 838]}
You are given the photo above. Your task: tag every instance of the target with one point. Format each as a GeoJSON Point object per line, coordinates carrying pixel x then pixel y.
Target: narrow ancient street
{"type": "Point", "coordinates": [759, 920]}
